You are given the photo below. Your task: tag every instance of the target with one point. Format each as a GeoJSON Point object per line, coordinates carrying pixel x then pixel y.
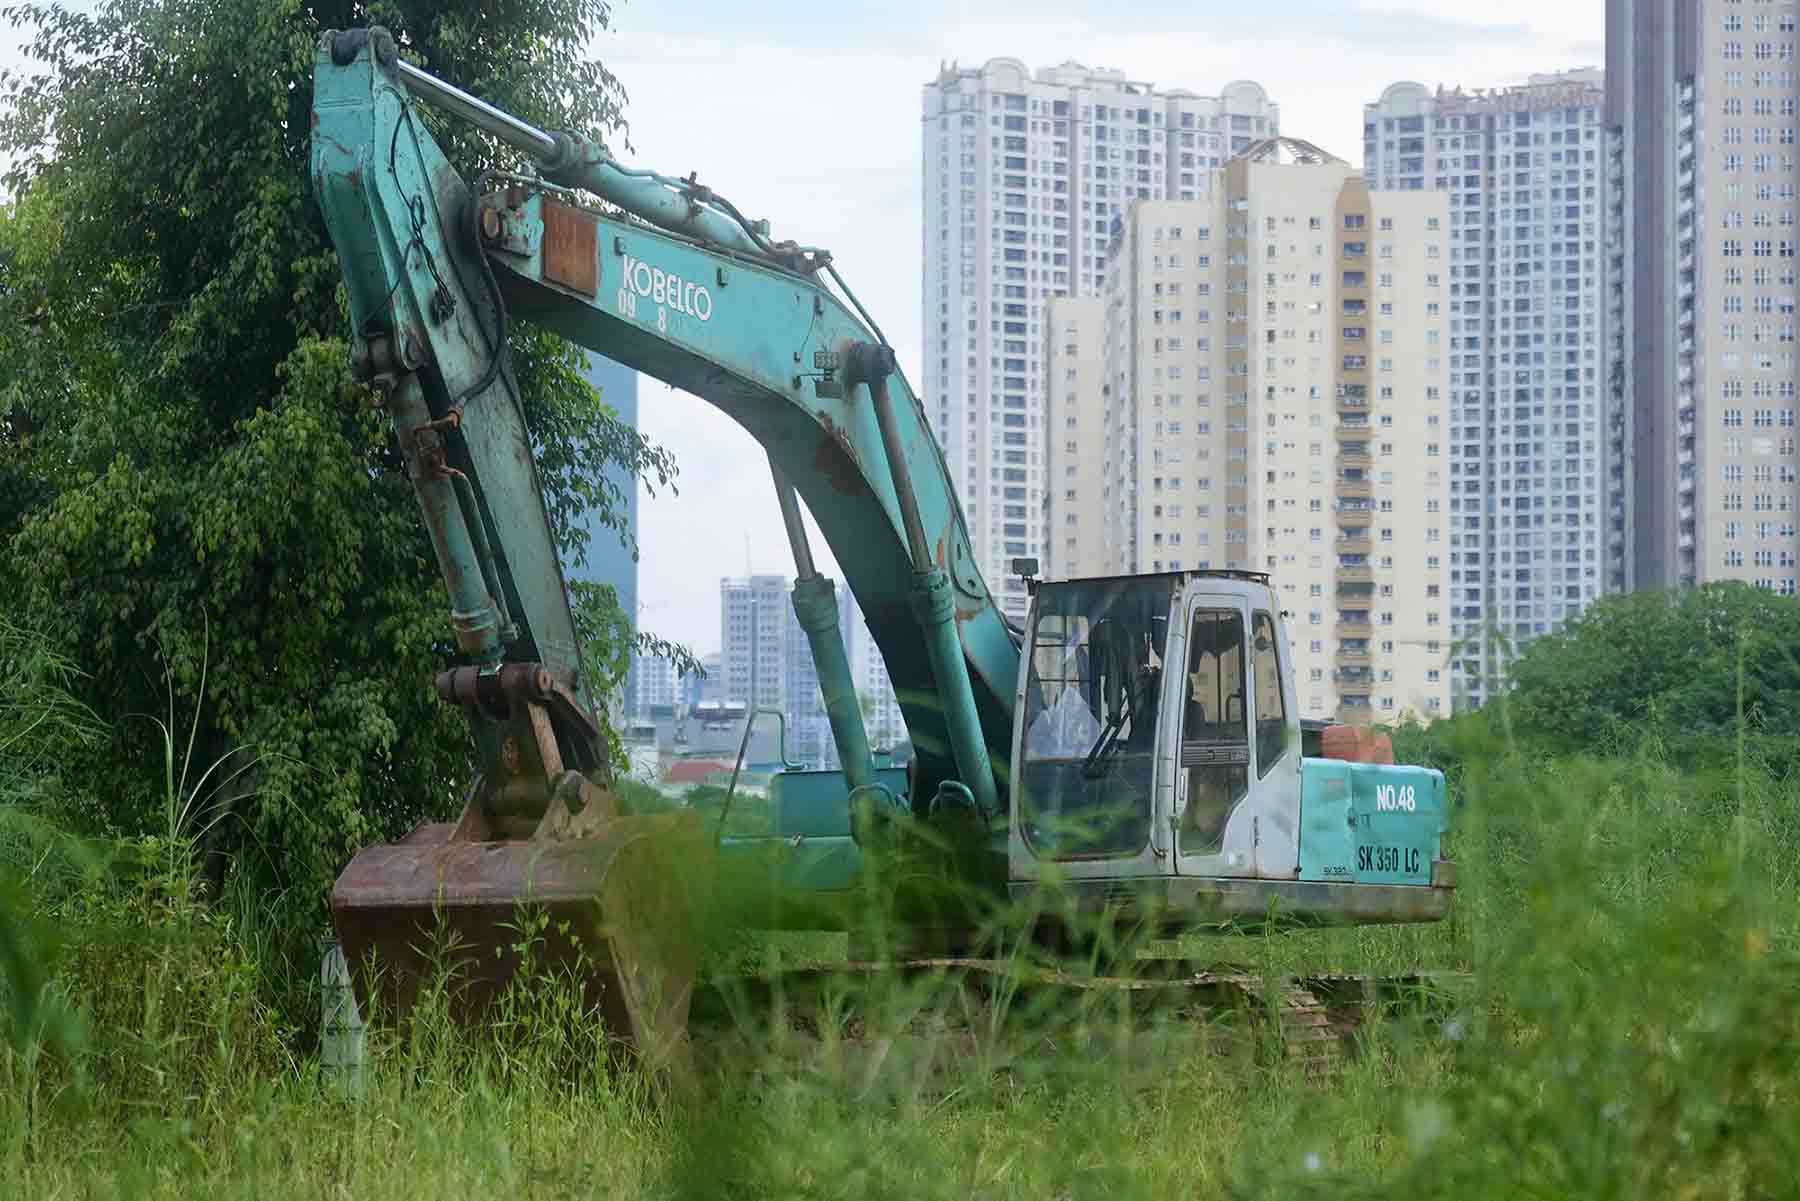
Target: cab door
{"type": "Point", "coordinates": [1235, 807]}
{"type": "Point", "coordinates": [1089, 788]}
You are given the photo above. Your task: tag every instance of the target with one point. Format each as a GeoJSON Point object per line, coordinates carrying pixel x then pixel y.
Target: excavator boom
{"type": "Point", "coordinates": [753, 331]}
{"type": "Point", "coordinates": [668, 279]}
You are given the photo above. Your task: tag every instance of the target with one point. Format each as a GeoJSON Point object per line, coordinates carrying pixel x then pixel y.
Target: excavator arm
{"type": "Point", "coordinates": [666, 278]}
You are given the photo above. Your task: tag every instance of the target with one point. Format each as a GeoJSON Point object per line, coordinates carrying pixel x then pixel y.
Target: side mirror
{"type": "Point", "coordinates": [1263, 643]}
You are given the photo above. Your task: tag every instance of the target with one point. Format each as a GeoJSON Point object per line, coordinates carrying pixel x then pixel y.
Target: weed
{"type": "Point", "coordinates": [1627, 928]}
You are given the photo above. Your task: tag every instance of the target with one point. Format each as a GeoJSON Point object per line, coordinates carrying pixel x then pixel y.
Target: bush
{"type": "Point", "coordinates": [1698, 669]}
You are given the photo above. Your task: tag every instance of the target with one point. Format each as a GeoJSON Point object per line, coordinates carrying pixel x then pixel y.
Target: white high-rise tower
{"type": "Point", "coordinates": [1523, 169]}
{"type": "Point", "coordinates": [1024, 176]}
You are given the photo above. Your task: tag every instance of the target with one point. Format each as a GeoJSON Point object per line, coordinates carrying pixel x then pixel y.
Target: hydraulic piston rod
{"type": "Point", "coordinates": [815, 605]}
{"type": "Point", "coordinates": [518, 134]}
{"type": "Point", "coordinates": [580, 162]}
{"type": "Point", "coordinates": [932, 603]}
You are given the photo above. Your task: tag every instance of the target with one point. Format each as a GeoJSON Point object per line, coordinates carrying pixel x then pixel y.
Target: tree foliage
{"type": "Point", "coordinates": [41, 724]}
{"type": "Point", "coordinates": [1658, 667]}
{"type": "Point", "coordinates": [180, 439]}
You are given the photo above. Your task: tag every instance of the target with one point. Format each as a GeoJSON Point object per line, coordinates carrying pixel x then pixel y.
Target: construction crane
{"type": "Point", "coordinates": [1135, 747]}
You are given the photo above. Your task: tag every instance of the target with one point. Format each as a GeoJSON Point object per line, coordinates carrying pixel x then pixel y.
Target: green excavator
{"type": "Point", "coordinates": [1135, 749]}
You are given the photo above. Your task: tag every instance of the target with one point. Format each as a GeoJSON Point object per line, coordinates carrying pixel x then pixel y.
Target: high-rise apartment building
{"type": "Point", "coordinates": [766, 662]}
{"type": "Point", "coordinates": [881, 708]}
{"type": "Point", "coordinates": [1075, 516]}
{"type": "Point", "coordinates": [709, 685]}
{"type": "Point", "coordinates": [1272, 362]}
{"type": "Point", "coordinates": [754, 614]}
{"type": "Point", "coordinates": [1523, 169]}
{"type": "Point", "coordinates": [1700, 110]}
{"type": "Point", "coordinates": [656, 684]}
{"type": "Point", "coordinates": [1023, 176]}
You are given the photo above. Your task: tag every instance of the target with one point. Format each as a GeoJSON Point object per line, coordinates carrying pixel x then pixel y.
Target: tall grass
{"type": "Point", "coordinates": [1630, 936]}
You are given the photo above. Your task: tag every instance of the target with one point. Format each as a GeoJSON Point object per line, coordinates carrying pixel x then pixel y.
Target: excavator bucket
{"type": "Point", "coordinates": [620, 898]}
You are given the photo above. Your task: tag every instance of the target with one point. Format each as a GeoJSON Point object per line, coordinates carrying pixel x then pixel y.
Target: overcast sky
{"type": "Point", "coordinates": [813, 122]}
{"type": "Point", "coordinates": [808, 115]}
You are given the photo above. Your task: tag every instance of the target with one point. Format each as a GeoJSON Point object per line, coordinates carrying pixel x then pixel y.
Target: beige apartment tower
{"type": "Point", "coordinates": [1076, 525]}
{"type": "Point", "coordinates": [1271, 396]}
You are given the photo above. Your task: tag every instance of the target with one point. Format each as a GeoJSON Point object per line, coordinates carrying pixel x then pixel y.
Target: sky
{"type": "Point", "coordinates": [813, 122]}
{"type": "Point", "coordinates": [808, 115]}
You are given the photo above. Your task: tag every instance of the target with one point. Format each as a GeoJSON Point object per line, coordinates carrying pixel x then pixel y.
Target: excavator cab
{"type": "Point", "coordinates": [1159, 755]}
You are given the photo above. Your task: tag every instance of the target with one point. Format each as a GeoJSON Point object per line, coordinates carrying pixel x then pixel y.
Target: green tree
{"type": "Point", "coordinates": [1667, 665]}
{"type": "Point", "coordinates": [180, 438]}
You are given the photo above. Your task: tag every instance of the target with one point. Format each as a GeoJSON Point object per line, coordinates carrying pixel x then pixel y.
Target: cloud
{"type": "Point", "coordinates": [815, 125]}
{"type": "Point", "coordinates": [1551, 20]}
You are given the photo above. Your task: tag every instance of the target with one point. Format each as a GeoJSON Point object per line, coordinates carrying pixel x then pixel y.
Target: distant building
{"type": "Point", "coordinates": [1024, 174]}
{"type": "Point", "coordinates": [655, 683]}
{"type": "Point", "coordinates": [1527, 440]}
{"type": "Point", "coordinates": [1270, 362]}
{"type": "Point", "coordinates": [875, 691]}
{"type": "Point", "coordinates": [767, 662]}
{"type": "Point", "coordinates": [1701, 130]}
{"type": "Point", "coordinates": [753, 619]}
{"type": "Point", "coordinates": [610, 557]}
{"type": "Point", "coordinates": [697, 689]}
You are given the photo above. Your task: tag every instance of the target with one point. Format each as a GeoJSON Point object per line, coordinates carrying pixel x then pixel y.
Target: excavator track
{"type": "Point", "coordinates": [1307, 1021]}
{"type": "Point", "coordinates": [1307, 1035]}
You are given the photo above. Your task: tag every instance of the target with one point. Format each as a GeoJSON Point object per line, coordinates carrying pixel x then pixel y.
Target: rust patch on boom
{"type": "Point", "coordinates": [571, 242]}
{"type": "Point", "coordinates": [836, 460]}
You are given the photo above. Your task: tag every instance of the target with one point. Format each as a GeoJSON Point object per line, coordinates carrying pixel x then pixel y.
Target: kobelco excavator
{"type": "Point", "coordinates": [1136, 747]}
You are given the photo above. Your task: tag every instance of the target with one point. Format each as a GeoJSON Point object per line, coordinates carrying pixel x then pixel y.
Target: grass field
{"type": "Point", "coordinates": [1630, 934]}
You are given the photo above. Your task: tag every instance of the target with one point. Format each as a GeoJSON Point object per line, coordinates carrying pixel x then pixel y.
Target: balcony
{"type": "Point", "coordinates": [1353, 655]}
{"type": "Point", "coordinates": [1354, 454]}
{"type": "Point", "coordinates": [1359, 545]}
{"type": "Point", "coordinates": [1353, 425]}
{"type": "Point", "coordinates": [1355, 574]}
{"type": "Point", "coordinates": [1355, 518]}
{"type": "Point", "coordinates": [1355, 487]}
{"type": "Point", "coordinates": [1354, 625]}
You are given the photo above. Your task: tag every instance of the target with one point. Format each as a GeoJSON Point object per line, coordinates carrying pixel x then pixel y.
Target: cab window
{"type": "Point", "coordinates": [1271, 703]}
{"type": "Point", "coordinates": [1215, 743]}
{"type": "Point", "coordinates": [1088, 765]}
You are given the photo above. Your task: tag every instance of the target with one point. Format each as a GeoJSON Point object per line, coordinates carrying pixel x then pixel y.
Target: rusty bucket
{"type": "Point", "coordinates": [444, 903]}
